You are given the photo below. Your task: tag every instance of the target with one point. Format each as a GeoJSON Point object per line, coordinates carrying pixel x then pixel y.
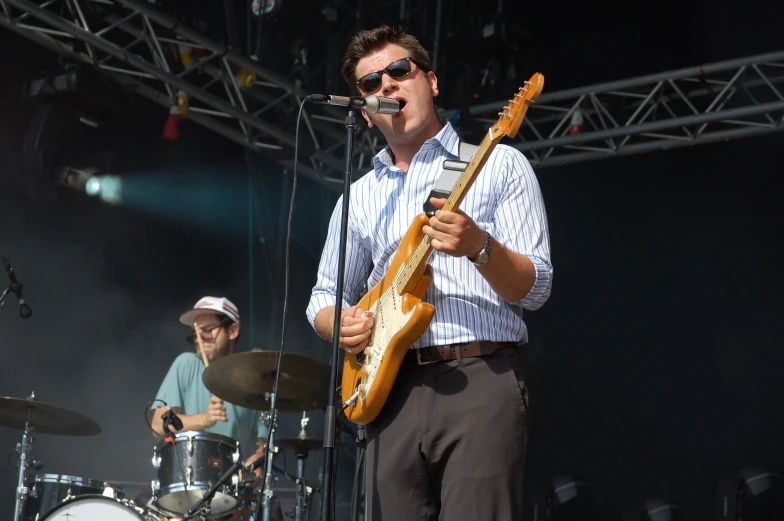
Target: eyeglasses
{"type": "Point", "coordinates": [191, 339]}
{"type": "Point", "coordinates": [372, 82]}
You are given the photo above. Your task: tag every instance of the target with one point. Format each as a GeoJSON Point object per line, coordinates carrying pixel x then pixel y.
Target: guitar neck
{"type": "Point", "coordinates": [464, 182]}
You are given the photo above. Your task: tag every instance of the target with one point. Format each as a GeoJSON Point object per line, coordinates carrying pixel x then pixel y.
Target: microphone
{"type": "Point", "coordinates": [171, 418]}
{"type": "Point", "coordinates": [371, 104]}
{"type": "Point", "coordinates": [24, 308]}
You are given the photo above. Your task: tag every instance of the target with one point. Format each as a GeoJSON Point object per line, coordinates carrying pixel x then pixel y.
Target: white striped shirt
{"type": "Point", "coordinates": [505, 200]}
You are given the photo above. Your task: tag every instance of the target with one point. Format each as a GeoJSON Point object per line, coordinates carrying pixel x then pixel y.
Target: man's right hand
{"type": "Point", "coordinates": [355, 329]}
{"type": "Point", "coordinates": [216, 412]}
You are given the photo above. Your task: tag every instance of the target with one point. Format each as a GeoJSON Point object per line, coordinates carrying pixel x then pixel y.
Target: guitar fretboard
{"type": "Point", "coordinates": [424, 248]}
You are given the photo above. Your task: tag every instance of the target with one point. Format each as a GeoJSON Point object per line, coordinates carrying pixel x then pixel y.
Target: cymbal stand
{"type": "Point", "coordinates": [24, 449]}
{"type": "Point", "coordinates": [303, 491]}
{"type": "Point", "coordinates": [268, 493]}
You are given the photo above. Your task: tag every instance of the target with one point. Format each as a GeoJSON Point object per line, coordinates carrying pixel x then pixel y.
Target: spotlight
{"type": "Point", "coordinates": [569, 499]}
{"type": "Point", "coordinates": [79, 179]}
{"type": "Point", "coordinates": [657, 509]}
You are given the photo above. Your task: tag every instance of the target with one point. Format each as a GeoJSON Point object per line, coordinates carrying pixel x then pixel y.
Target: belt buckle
{"type": "Point", "coordinates": [419, 359]}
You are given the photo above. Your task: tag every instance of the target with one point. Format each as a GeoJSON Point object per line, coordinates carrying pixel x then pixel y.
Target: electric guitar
{"type": "Point", "coordinates": [396, 301]}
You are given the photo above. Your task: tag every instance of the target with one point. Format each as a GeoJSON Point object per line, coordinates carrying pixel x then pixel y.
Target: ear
{"type": "Point", "coordinates": [234, 331]}
{"type": "Point", "coordinates": [367, 118]}
{"type": "Point", "coordinates": [433, 81]}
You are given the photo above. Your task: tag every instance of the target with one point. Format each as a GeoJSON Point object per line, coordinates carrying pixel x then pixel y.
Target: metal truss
{"type": "Point", "coordinates": [142, 49]}
{"type": "Point", "coordinates": [690, 106]}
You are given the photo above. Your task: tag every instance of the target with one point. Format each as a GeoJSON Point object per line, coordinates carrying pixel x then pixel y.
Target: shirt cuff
{"type": "Point", "coordinates": [540, 291]}
{"type": "Point", "coordinates": [319, 301]}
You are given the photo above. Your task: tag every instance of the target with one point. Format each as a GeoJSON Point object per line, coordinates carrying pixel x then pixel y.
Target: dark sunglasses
{"type": "Point", "coordinates": [372, 82]}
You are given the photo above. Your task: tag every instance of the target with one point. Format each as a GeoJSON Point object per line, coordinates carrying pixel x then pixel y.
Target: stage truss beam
{"type": "Point", "coordinates": [139, 46]}
{"type": "Point", "coordinates": [684, 107]}
{"type": "Point", "coordinates": [135, 44]}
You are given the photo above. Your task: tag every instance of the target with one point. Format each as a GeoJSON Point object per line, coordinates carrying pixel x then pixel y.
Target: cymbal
{"type": "Point", "coordinates": [300, 444]}
{"type": "Point", "coordinates": [247, 379]}
{"type": "Point", "coordinates": [45, 418]}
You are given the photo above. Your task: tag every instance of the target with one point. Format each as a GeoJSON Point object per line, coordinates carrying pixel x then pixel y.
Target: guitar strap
{"type": "Point", "coordinates": [450, 173]}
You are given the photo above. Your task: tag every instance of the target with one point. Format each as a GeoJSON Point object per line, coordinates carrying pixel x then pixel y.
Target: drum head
{"type": "Point", "coordinates": [180, 502]}
{"type": "Point", "coordinates": [92, 508]}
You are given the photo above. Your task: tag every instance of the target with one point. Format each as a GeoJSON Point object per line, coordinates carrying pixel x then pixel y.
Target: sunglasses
{"type": "Point", "coordinates": [191, 339]}
{"type": "Point", "coordinates": [372, 82]}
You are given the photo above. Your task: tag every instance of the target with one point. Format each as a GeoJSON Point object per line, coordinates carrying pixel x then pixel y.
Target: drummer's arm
{"type": "Point", "coordinates": [190, 422]}
{"type": "Point", "coordinates": [261, 444]}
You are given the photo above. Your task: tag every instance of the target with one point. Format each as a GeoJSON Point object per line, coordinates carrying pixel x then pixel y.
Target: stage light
{"type": "Point", "coordinates": [657, 509]}
{"type": "Point", "coordinates": [52, 83]}
{"type": "Point", "coordinates": [576, 126]}
{"type": "Point", "coordinates": [77, 178]}
{"type": "Point", "coordinates": [569, 499]}
{"type": "Point", "coordinates": [170, 130]}
{"type": "Point", "coordinates": [761, 496]}
{"type": "Point", "coordinates": [245, 78]}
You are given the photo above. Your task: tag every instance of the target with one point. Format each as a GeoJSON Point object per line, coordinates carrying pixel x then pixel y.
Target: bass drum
{"type": "Point", "coordinates": [93, 507]}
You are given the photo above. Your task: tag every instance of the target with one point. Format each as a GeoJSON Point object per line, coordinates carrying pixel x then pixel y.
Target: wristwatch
{"type": "Point", "coordinates": [484, 254]}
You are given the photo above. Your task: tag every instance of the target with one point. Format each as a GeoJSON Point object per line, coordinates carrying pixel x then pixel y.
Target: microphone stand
{"type": "Point", "coordinates": [3, 295]}
{"type": "Point", "coordinates": [211, 492]}
{"type": "Point", "coordinates": [330, 418]}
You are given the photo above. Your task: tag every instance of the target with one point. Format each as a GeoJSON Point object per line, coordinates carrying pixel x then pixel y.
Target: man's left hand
{"type": "Point", "coordinates": [454, 232]}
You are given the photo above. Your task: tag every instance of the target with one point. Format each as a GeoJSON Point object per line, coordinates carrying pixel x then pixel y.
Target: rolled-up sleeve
{"type": "Point", "coordinates": [358, 261]}
{"type": "Point", "coordinates": [521, 223]}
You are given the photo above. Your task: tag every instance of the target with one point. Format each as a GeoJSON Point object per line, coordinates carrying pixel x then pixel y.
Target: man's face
{"type": "Point", "coordinates": [417, 121]}
{"type": "Point", "coordinates": [217, 339]}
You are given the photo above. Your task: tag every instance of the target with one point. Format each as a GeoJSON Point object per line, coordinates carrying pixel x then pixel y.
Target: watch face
{"type": "Point", "coordinates": [481, 259]}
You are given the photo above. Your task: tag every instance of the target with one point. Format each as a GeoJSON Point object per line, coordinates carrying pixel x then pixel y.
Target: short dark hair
{"type": "Point", "coordinates": [369, 41]}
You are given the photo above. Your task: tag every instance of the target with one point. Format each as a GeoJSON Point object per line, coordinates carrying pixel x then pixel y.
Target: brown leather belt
{"type": "Point", "coordinates": [429, 355]}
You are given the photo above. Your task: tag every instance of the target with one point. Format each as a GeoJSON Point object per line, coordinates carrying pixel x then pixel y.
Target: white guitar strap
{"type": "Point", "coordinates": [450, 172]}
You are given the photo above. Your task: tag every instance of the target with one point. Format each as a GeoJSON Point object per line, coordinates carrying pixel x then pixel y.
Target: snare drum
{"type": "Point", "coordinates": [94, 508]}
{"type": "Point", "coordinates": [46, 491]}
{"type": "Point", "coordinates": [188, 464]}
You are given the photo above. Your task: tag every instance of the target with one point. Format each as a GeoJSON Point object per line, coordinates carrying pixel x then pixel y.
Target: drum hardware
{"type": "Point", "coordinates": [301, 445]}
{"type": "Point", "coordinates": [271, 421]}
{"type": "Point", "coordinates": [32, 416]}
{"type": "Point", "coordinates": [203, 504]}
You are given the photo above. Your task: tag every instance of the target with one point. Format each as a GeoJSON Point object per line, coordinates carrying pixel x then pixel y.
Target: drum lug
{"type": "Point", "coordinates": [155, 486]}
{"type": "Point", "coordinates": [190, 446]}
{"type": "Point", "coordinates": [189, 476]}
{"type": "Point", "coordinates": [108, 491]}
{"type": "Point", "coordinates": [156, 460]}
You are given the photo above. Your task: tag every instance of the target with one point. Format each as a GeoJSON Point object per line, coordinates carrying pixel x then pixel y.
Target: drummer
{"type": "Point", "coordinates": [183, 390]}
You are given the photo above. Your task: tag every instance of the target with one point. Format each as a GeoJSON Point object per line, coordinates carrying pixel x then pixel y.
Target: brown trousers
{"type": "Point", "coordinates": [449, 444]}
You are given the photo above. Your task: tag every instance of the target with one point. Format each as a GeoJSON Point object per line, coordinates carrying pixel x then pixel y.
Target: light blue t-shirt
{"type": "Point", "coordinates": [183, 388]}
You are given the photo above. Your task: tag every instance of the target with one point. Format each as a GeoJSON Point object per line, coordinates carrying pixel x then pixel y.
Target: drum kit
{"type": "Point", "coordinates": [199, 475]}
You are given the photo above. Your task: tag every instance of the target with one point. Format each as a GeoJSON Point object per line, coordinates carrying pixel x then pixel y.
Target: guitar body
{"type": "Point", "coordinates": [399, 321]}
{"type": "Point", "coordinates": [396, 301]}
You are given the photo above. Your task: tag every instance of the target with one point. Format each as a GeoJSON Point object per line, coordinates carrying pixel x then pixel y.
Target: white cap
{"type": "Point", "coordinates": [214, 305]}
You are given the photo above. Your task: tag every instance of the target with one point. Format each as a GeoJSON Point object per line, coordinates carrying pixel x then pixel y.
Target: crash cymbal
{"type": "Point", "coordinates": [301, 444]}
{"type": "Point", "coordinates": [247, 379]}
{"type": "Point", "coordinates": [45, 418]}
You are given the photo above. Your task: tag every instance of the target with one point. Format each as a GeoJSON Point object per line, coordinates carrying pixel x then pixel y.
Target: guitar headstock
{"type": "Point", "coordinates": [512, 116]}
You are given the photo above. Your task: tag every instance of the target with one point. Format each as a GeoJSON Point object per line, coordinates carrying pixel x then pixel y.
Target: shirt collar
{"type": "Point", "coordinates": [446, 139]}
